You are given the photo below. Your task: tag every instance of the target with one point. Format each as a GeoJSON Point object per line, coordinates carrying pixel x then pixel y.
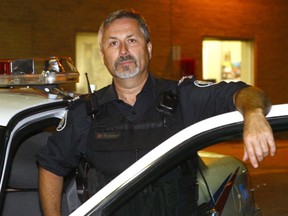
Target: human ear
{"type": "Point", "coordinates": [149, 48]}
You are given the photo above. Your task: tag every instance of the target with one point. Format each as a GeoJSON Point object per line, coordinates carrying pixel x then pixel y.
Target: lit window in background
{"type": "Point", "coordinates": [228, 60]}
{"type": "Point", "coordinates": [89, 60]}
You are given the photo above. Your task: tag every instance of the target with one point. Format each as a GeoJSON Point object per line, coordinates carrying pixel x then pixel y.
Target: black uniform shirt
{"type": "Point", "coordinates": [144, 100]}
{"type": "Point", "coordinates": [198, 100]}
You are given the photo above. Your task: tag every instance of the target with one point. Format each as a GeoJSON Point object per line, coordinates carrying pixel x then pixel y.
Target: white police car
{"type": "Point", "coordinates": [31, 106]}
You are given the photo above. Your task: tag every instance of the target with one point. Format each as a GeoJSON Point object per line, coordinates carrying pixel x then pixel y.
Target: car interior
{"type": "Point", "coordinates": [21, 191]}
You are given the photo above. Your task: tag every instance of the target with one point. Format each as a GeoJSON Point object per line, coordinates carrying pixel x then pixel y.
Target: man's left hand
{"type": "Point", "coordinates": [258, 138]}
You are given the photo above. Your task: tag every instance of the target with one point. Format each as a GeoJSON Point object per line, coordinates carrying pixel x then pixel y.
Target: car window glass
{"type": "Point", "coordinates": [270, 177]}
{"type": "Point", "coordinates": [153, 197]}
{"type": "Point", "coordinates": [174, 191]}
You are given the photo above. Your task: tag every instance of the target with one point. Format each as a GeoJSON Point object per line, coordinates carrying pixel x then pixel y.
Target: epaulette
{"type": "Point", "coordinates": [186, 79]}
{"type": "Point", "coordinates": [75, 101]}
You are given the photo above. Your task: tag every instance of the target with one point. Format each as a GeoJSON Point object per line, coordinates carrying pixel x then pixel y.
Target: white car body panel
{"type": "Point", "coordinates": [36, 117]}
{"type": "Point", "coordinates": [12, 102]}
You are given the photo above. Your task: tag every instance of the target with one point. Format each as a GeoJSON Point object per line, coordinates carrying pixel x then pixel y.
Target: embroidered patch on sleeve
{"type": "Point", "coordinates": [62, 123]}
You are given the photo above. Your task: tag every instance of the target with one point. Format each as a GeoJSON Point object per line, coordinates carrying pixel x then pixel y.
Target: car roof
{"type": "Point", "coordinates": [14, 101]}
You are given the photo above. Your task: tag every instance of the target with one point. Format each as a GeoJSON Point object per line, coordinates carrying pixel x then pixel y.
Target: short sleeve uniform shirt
{"type": "Point", "coordinates": [198, 100]}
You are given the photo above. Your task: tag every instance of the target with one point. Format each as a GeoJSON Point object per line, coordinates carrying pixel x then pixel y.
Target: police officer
{"type": "Point", "coordinates": [138, 111]}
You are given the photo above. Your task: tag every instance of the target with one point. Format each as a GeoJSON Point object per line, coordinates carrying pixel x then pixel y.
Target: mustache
{"type": "Point", "coordinates": [124, 58]}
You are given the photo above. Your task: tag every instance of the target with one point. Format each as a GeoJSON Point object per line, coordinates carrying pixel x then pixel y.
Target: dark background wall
{"type": "Point", "coordinates": [48, 28]}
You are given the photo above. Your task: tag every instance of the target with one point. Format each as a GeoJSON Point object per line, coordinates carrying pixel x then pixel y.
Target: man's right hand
{"type": "Point", "coordinates": [50, 192]}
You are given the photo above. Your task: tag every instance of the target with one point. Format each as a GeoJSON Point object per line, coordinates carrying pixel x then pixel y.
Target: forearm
{"type": "Point", "coordinates": [257, 133]}
{"type": "Point", "coordinates": [252, 100]}
{"type": "Point", "coordinates": [50, 191]}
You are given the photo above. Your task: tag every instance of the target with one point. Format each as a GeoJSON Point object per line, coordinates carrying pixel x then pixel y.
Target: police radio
{"type": "Point", "coordinates": [167, 103]}
{"type": "Point", "coordinates": [91, 100]}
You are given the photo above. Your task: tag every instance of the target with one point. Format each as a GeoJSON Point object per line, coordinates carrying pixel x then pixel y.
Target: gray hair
{"type": "Point", "coordinates": [124, 14]}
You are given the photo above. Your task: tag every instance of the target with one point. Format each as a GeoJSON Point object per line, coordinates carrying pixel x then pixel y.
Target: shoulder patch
{"type": "Point", "coordinates": [201, 84]}
{"type": "Point", "coordinates": [62, 123]}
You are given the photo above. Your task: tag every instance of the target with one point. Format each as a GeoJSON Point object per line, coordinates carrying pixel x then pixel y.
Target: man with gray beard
{"type": "Point", "coordinates": [136, 113]}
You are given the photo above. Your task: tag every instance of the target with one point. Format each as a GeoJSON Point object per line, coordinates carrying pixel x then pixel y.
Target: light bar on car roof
{"type": "Point", "coordinates": [37, 71]}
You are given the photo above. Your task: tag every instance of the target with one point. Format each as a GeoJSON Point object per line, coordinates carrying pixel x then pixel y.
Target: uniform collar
{"type": "Point", "coordinates": [109, 94]}
{"type": "Point", "coordinates": [149, 85]}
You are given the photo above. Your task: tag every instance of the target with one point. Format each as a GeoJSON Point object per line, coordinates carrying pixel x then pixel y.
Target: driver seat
{"type": "Point", "coordinates": [21, 196]}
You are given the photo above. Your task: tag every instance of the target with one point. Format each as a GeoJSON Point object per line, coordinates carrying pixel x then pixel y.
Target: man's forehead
{"type": "Point", "coordinates": [121, 23]}
{"type": "Point", "coordinates": [124, 26]}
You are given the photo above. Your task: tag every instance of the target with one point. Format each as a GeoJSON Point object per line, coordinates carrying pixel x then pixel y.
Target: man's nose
{"type": "Point", "coordinates": [124, 49]}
